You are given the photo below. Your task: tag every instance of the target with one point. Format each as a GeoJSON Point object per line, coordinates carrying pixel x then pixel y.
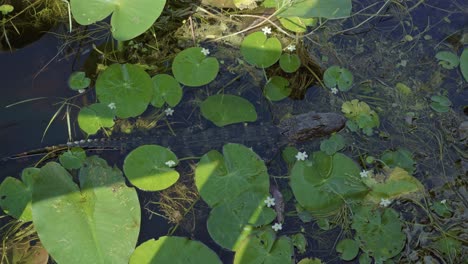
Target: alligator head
{"type": "Point", "coordinates": [311, 125]}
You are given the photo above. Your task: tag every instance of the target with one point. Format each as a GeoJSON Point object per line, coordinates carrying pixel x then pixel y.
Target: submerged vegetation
{"type": "Point", "coordinates": [389, 188]}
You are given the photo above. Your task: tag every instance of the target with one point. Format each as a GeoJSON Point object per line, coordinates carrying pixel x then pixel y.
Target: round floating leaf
{"type": "Point", "coordinates": [289, 155]}
{"type": "Point", "coordinates": [464, 64]}
{"type": "Point", "coordinates": [277, 88]}
{"type": "Point", "coordinates": [126, 86]}
{"type": "Point", "coordinates": [310, 261]}
{"type": "Point", "coordinates": [348, 249]}
{"type": "Point", "coordinates": [78, 81]}
{"type": "Point", "coordinates": [447, 59]}
{"type": "Point", "coordinates": [399, 158]}
{"type": "Point", "coordinates": [73, 158]}
{"type": "Point", "coordinates": [300, 242]}
{"type": "Point", "coordinates": [130, 18]}
{"type": "Point", "coordinates": [224, 109]}
{"type": "Point", "coordinates": [261, 51]}
{"type": "Point", "coordinates": [289, 62]}
{"type": "Point", "coordinates": [336, 76]}
{"type": "Point", "coordinates": [175, 250]}
{"type": "Point", "coordinates": [379, 233]}
{"type": "Point", "coordinates": [223, 178]}
{"type": "Point", "coordinates": [146, 168]}
{"type": "Point", "coordinates": [102, 219]}
{"type": "Point", "coordinates": [297, 24]}
{"type": "Point", "coordinates": [5, 9]}
{"type": "Point", "coordinates": [331, 9]}
{"type": "Point", "coordinates": [231, 222]}
{"type": "Point", "coordinates": [321, 185]}
{"type": "Point", "coordinates": [440, 103]}
{"type": "Point", "coordinates": [332, 145]}
{"type": "Point", "coordinates": [165, 90]}
{"type": "Point", "coordinates": [263, 248]}
{"type": "Point", "coordinates": [192, 68]}
{"type": "Point", "coordinates": [16, 195]}
{"type": "Point", "coordinates": [94, 117]}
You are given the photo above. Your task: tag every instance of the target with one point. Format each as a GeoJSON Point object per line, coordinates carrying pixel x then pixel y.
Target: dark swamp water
{"type": "Point", "coordinates": [38, 70]}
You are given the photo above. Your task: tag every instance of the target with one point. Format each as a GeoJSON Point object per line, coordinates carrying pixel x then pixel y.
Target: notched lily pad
{"type": "Point", "coordinates": [224, 109]}
{"type": "Point", "coordinates": [149, 167]}
{"type": "Point", "coordinates": [73, 158]}
{"type": "Point", "coordinates": [15, 195]}
{"type": "Point", "coordinates": [447, 59]}
{"type": "Point", "coordinates": [192, 68]}
{"type": "Point", "coordinates": [94, 117]}
{"type": "Point", "coordinates": [277, 88]}
{"type": "Point", "coordinates": [339, 77]}
{"type": "Point", "coordinates": [289, 62]}
{"type": "Point", "coordinates": [261, 51]}
{"type": "Point", "coordinates": [165, 90]}
{"type": "Point", "coordinates": [78, 81]}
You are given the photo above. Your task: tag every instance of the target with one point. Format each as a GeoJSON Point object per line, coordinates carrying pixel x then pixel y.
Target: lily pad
{"type": "Point", "coordinates": [447, 59]}
{"type": "Point", "coordinates": [16, 195]}
{"type": "Point", "coordinates": [230, 222]}
{"type": "Point", "coordinates": [277, 88]}
{"type": "Point", "coordinates": [176, 250]}
{"type": "Point", "coordinates": [331, 9]}
{"type": "Point", "coordinates": [335, 143]}
{"type": "Point", "coordinates": [261, 51]}
{"type": "Point", "coordinates": [348, 249]}
{"type": "Point", "coordinates": [5, 9]}
{"type": "Point", "coordinates": [322, 184]}
{"type": "Point", "coordinates": [399, 158]}
{"type": "Point", "coordinates": [220, 178]}
{"type": "Point", "coordinates": [297, 24]}
{"type": "Point", "coordinates": [128, 87]}
{"type": "Point", "coordinates": [263, 247]}
{"type": "Point", "coordinates": [94, 117]}
{"type": "Point", "coordinates": [101, 219]}
{"type": "Point", "coordinates": [336, 76]}
{"type": "Point", "coordinates": [299, 241]}
{"type": "Point", "coordinates": [165, 90]}
{"type": "Point", "coordinates": [192, 68]}
{"type": "Point", "coordinates": [73, 158]}
{"type": "Point", "coordinates": [224, 109]}
{"type": "Point", "coordinates": [290, 62]}
{"type": "Point", "coordinates": [464, 64]}
{"type": "Point", "coordinates": [149, 168]}
{"type": "Point", "coordinates": [130, 18]}
{"type": "Point", "coordinates": [78, 81]}
{"type": "Point", "coordinates": [440, 104]}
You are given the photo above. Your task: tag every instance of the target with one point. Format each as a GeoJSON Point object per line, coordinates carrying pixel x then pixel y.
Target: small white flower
{"type": "Point", "coordinates": [269, 201]}
{"type": "Point", "coordinates": [81, 91]}
{"type": "Point", "coordinates": [111, 106]}
{"type": "Point", "coordinates": [291, 47]}
{"type": "Point", "coordinates": [385, 202]}
{"type": "Point", "coordinates": [301, 156]}
{"type": "Point", "coordinates": [169, 111]}
{"type": "Point", "coordinates": [205, 52]}
{"type": "Point", "coordinates": [266, 30]}
{"type": "Point", "coordinates": [334, 90]}
{"type": "Point", "coordinates": [277, 227]}
{"type": "Point", "coordinates": [170, 163]}
{"type": "Point", "coordinates": [443, 201]}
{"type": "Point", "coordinates": [364, 174]}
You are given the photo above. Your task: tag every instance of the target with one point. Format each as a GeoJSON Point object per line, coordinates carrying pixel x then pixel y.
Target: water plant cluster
{"type": "Point", "coordinates": [259, 217]}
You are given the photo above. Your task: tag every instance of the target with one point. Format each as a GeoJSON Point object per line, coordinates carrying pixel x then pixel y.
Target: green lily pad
{"type": "Point", "coordinates": [261, 51]}
{"type": "Point", "coordinates": [348, 249]}
{"type": "Point", "coordinates": [335, 143]}
{"type": "Point", "coordinates": [149, 168]}
{"type": "Point", "coordinates": [78, 81]}
{"type": "Point", "coordinates": [94, 117]}
{"type": "Point", "coordinates": [360, 116]}
{"type": "Point", "coordinates": [447, 59]}
{"type": "Point", "coordinates": [299, 242]}
{"type": "Point", "coordinates": [310, 261]}
{"type": "Point", "coordinates": [440, 104]}
{"type": "Point", "coordinates": [73, 158]}
{"type": "Point", "coordinates": [16, 195]}
{"type": "Point", "coordinates": [101, 219]}
{"type": "Point", "coordinates": [176, 250]}
{"type": "Point", "coordinates": [5, 9]}
{"type": "Point", "coordinates": [336, 76]}
{"type": "Point", "coordinates": [379, 233]}
{"type": "Point", "coordinates": [220, 178]}
{"type": "Point", "coordinates": [224, 109]}
{"type": "Point", "coordinates": [464, 64]}
{"type": "Point", "coordinates": [263, 247]}
{"type": "Point", "coordinates": [165, 90]}
{"type": "Point", "coordinates": [322, 184]}
{"type": "Point", "coordinates": [289, 155]}
{"type": "Point", "coordinates": [442, 209]}
{"type": "Point", "coordinates": [126, 86]}
{"type": "Point", "coordinates": [448, 246]}
{"type": "Point", "coordinates": [399, 158]}
{"type": "Point", "coordinates": [331, 9]}
{"type": "Point", "coordinates": [130, 18]}
{"type": "Point", "coordinates": [289, 62]}
{"type": "Point", "coordinates": [277, 88]}
{"type": "Point", "coordinates": [192, 68]}
{"type": "Point", "coordinates": [297, 24]}
{"type": "Point", "coordinates": [230, 222]}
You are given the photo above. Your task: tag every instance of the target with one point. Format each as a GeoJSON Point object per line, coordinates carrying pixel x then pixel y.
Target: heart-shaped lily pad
{"type": "Point", "coordinates": [165, 90]}
{"type": "Point", "coordinates": [336, 76]}
{"type": "Point", "coordinates": [94, 117]}
{"type": "Point", "coordinates": [16, 195]}
{"type": "Point", "coordinates": [192, 67]}
{"type": "Point", "coordinates": [224, 109]}
{"type": "Point", "coordinates": [261, 51]}
{"type": "Point", "coordinates": [130, 18]}
{"type": "Point", "coordinates": [464, 64]}
{"type": "Point", "coordinates": [149, 167]}
{"type": "Point", "coordinates": [277, 88]}
{"type": "Point", "coordinates": [289, 62]}
{"type": "Point", "coordinates": [73, 158]}
{"type": "Point", "coordinates": [348, 248]}
{"type": "Point", "coordinates": [78, 81]}
{"type": "Point", "coordinates": [447, 59]}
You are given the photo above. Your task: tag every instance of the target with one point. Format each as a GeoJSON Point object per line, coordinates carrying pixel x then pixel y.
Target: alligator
{"type": "Point", "coordinates": [298, 128]}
